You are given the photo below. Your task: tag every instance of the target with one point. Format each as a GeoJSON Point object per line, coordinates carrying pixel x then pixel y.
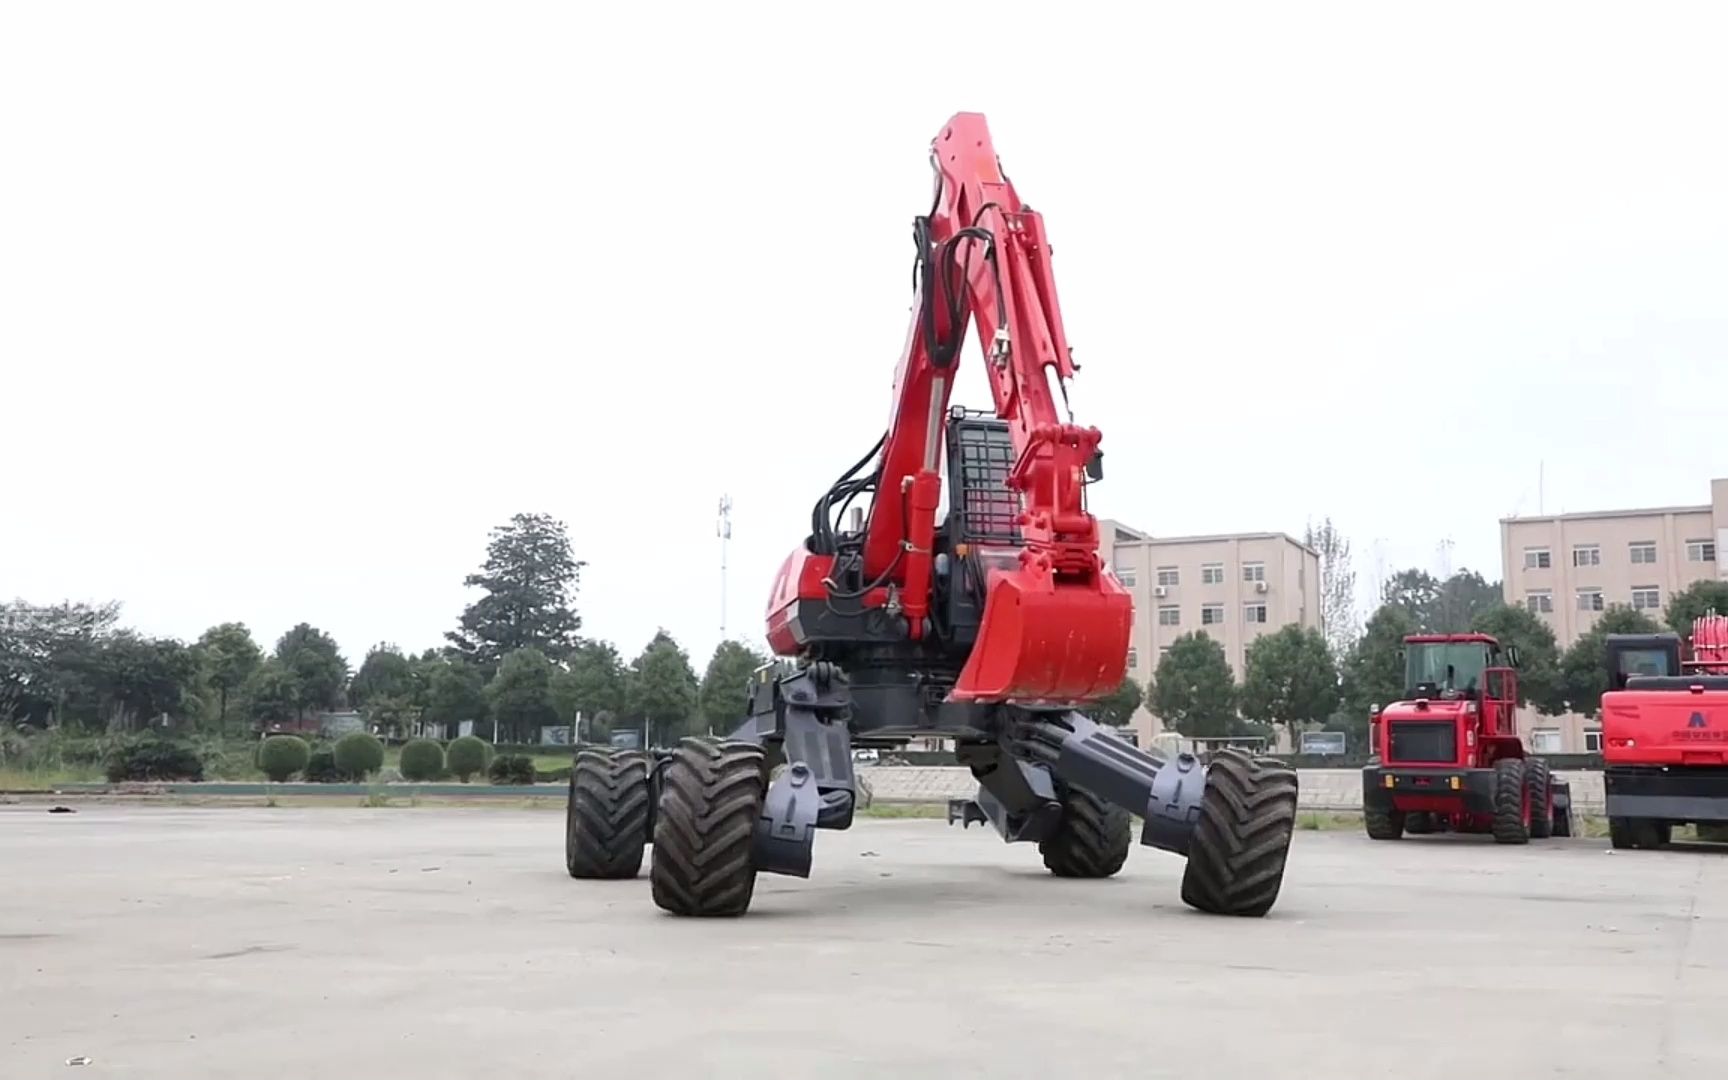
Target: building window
{"type": "Point", "coordinates": [1254, 613]}
{"type": "Point", "coordinates": [1545, 740]}
{"type": "Point", "coordinates": [1253, 571]}
{"type": "Point", "coordinates": [1133, 657]}
{"type": "Point", "coordinates": [1124, 570]}
{"type": "Point", "coordinates": [1212, 573]}
{"type": "Point", "coordinates": [1540, 601]}
{"type": "Point", "coordinates": [1646, 598]}
{"type": "Point", "coordinates": [1643, 552]}
{"type": "Point", "coordinates": [1162, 650]}
{"type": "Point", "coordinates": [1589, 599]}
{"type": "Point", "coordinates": [1169, 615]}
{"type": "Point", "coordinates": [1592, 740]}
{"type": "Point", "coordinates": [1537, 559]}
{"type": "Point", "coordinates": [1211, 614]}
{"type": "Point", "coordinates": [1586, 555]}
{"type": "Point", "coordinates": [1700, 551]}
{"type": "Point", "coordinates": [1168, 575]}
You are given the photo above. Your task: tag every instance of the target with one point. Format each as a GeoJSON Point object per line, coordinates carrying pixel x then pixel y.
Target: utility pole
{"type": "Point", "coordinates": [723, 529]}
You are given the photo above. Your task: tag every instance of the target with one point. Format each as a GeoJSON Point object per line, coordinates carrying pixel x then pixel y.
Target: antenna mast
{"type": "Point", "coordinates": [723, 529]}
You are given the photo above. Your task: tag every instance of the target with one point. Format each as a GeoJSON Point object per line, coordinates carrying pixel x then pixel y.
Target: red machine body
{"type": "Point", "coordinates": [1665, 734]}
{"type": "Point", "coordinates": [1448, 757]}
{"type": "Point", "coordinates": [1055, 627]}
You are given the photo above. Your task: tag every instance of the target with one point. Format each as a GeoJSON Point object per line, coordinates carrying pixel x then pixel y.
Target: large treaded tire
{"type": "Point", "coordinates": [1420, 823]}
{"type": "Point", "coordinates": [1247, 816]}
{"type": "Point", "coordinates": [1511, 818]}
{"type": "Point", "coordinates": [1541, 781]}
{"type": "Point", "coordinates": [606, 815]}
{"type": "Point", "coordinates": [1383, 824]}
{"type": "Point", "coordinates": [1091, 840]}
{"type": "Point", "coordinates": [710, 798]}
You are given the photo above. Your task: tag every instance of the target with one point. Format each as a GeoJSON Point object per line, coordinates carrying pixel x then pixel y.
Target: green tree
{"type": "Point", "coordinates": [1373, 672]}
{"type": "Point", "coordinates": [1442, 607]}
{"type": "Point", "coordinates": [1463, 598]}
{"type": "Point", "coordinates": [271, 694]}
{"type": "Point", "coordinates": [591, 688]}
{"type": "Point", "coordinates": [229, 657]}
{"type": "Point", "coordinates": [455, 692]}
{"type": "Point", "coordinates": [385, 673]}
{"type": "Point", "coordinates": [661, 690]}
{"type": "Point", "coordinates": [725, 688]}
{"type": "Point", "coordinates": [530, 580]}
{"type": "Point", "coordinates": [47, 656]}
{"type": "Point", "coordinates": [1117, 709]}
{"type": "Point", "coordinates": [1539, 684]}
{"type": "Point", "coordinates": [1584, 667]}
{"type": "Point", "coordinates": [320, 672]}
{"type": "Point", "coordinates": [1699, 598]}
{"type": "Point", "coordinates": [520, 696]}
{"type": "Point", "coordinates": [1193, 689]}
{"type": "Point", "coordinates": [1289, 678]}
{"type": "Point", "coordinates": [139, 679]}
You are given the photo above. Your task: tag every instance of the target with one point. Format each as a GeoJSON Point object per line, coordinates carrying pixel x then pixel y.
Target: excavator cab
{"type": "Point", "coordinates": [982, 530]}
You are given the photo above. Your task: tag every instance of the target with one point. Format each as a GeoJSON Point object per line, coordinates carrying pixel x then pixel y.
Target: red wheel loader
{"type": "Point", "coordinates": [993, 624]}
{"type": "Point", "coordinates": [1665, 735]}
{"type": "Point", "coordinates": [1447, 758]}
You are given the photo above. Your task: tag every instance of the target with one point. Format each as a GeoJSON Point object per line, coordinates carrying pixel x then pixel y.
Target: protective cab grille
{"type": "Point", "coordinates": [1430, 741]}
{"type": "Point", "coordinates": [980, 456]}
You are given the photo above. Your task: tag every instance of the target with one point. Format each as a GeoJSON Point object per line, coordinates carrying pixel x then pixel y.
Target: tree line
{"type": "Point", "coordinates": [1332, 678]}
{"type": "Point", "coordinates": [516, 661]}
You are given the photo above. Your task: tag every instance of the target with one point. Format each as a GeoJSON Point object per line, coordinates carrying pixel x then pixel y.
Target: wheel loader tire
{"type": "Point", "coordinates": [606, 815]}
{"type": "Point", "coordinates": [1650, 833]}
{"type": "Point", "coordinates": [1620, 833]}
{"type": "Point", "coordinates": [1247, 816]}
{"type": "Point", "coordinates": [1420, 823]}
{"type": "Point", "coordinates": [1541, 781]}
{"type": "Point", "coordinates": [1091, 840]}
{"type": "Point", "coordinates": [710, 797]}
{"type": "Point", "coordinates": [1511, 808]}
{"type": "Point", "coordinates": [1384, 824]}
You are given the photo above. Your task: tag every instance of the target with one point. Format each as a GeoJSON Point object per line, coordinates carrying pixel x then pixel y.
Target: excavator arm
{"type": "Point", "coordinates": [1055, 627]}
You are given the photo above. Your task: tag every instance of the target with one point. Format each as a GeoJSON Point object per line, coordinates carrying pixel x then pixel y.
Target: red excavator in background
{"type": "Point", "coordinates": [992, 626]}
{"type": "Point", "coordinates": [1665, 735]}
{"type": "Point", "coordinates": [1448, 758]}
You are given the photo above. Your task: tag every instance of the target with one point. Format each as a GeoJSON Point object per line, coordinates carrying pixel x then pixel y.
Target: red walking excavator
{"type": "Point", "coordinates": [1665, 735]}
{"type": "Point", "coordinates": [992, 626]}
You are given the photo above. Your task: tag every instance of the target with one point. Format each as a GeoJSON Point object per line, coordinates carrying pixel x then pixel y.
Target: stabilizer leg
{"type": "Point", "coordinates": [800, 717]}
{"type": "Point", "coordinates": [1018, 798]}
{"type": "Point", "coordinates": [1166, 793]}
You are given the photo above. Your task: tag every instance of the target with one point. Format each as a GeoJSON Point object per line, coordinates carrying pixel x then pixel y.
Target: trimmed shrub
{"type": "Point", "coordinates": [281, 756]}
{"type": "Point", "coordinates": [512, 769]}
{"type": "Point", "coordinates": [152, 757]}
{"type": "Point", "coordinates": [422, 759]}
{"type": "Point", "coordinates": [466, 757]}
{"type": "Point", "coordinates": [359, 755]}
{"type": "Point", "coordinates": [321, 769]}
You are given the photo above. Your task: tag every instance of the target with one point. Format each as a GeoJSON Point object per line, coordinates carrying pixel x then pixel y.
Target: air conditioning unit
{"type": "Point", "coordinates": [1160, 591]}
{"type": "Point", "coordinates": [1259, 586]}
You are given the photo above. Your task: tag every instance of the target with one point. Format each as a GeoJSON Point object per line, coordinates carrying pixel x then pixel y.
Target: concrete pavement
{"type": "Point", "coordinates": [448, 943]}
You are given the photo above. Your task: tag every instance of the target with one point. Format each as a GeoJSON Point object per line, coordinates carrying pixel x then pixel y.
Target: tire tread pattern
{"type": "Point", "coordinates": [1509, 824]}
{"type": "Point", "coordinates": [606, 819]}
{"type": "Point", "coordinates": [1247, 817]}
{"type": "Point", "coordinates": [1092, 839]}
{"type": "Point", "coordinates": [1541, 780]}
{"type": "Point", "coordinates": [704, 828]}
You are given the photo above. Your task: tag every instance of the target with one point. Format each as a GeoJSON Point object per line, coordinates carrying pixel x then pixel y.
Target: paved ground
{"type": "Point", "coordinates": [261, 943]}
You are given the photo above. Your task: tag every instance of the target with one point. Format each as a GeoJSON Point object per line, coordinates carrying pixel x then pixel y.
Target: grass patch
{"type": "Point", "coordinates": [905, 810]}
{"type": "Point", "coordinates": [15, 779]}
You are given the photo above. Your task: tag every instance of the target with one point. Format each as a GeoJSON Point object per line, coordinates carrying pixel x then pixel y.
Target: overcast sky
{"type": "Point", "coordinates": [298, 300]}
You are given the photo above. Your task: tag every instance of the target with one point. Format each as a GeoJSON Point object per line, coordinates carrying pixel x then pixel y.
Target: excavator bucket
{"type": "Point", "coordinates": [1041, 642]}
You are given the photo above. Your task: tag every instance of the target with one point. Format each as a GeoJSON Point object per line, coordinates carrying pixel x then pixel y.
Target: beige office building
{"type": "Point", "coordinates": [1568, 568]}
{"type": "Point", "coordinates": [1233, 588]}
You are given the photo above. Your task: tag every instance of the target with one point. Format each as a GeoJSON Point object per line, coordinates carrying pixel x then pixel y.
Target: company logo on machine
{"type": "Point", "coordinates": [1697, 721]}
